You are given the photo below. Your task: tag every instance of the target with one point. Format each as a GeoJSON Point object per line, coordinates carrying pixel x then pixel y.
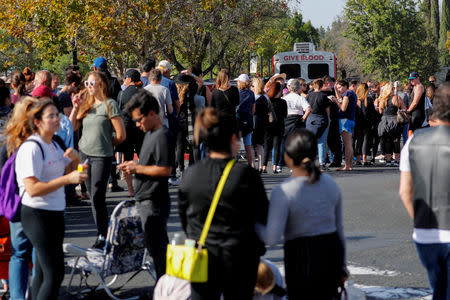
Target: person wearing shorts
{"type": "Point", "coordinates": [346, 100]}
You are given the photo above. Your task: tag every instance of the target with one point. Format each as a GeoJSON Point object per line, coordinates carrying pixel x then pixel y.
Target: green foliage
{"type": "Point", "coordinates": [444, 56]}
{"type": "Point", "coordinates": [303, 32]}
{"type": "Point", "coordinates": [434, 21]}
{"type": "Point", "coordinates": [390, 38]}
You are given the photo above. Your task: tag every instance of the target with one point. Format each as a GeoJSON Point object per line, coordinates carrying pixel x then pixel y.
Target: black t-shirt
{"type": "Point", "coordinates": [319, 102]}
{"type": "Point", "coordinates": [64, 100]}
{"type": "Point", "coordinates": [280, 108]}
{"type": "Point", "coordinates": [157, 150]}
{"type": "Point", "coordinates": [242, 203]}
{"type": "Point", "coordinates": [225, 102]}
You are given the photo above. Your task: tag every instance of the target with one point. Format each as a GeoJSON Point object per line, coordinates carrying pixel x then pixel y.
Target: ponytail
{"type": "Point", "coordinates": [301, 146]}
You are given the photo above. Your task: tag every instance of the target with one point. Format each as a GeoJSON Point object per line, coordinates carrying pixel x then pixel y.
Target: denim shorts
{"type": "Point", "coordinates": [346, 125]}
{"type": "Point", "coordinates": [247, 139]}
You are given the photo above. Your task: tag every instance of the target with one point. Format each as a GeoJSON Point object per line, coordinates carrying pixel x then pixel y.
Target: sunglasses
{"type": "Point", "coordinates": [138, 120]}
{"type": "Point", "coordinates": [89, 83]}
{"type": "Point", "coordinates": [432, 81]}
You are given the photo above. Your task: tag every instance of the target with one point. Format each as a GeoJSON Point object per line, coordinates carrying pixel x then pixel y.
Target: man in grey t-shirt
{"type": "Point", "coordinates": [162, 94]}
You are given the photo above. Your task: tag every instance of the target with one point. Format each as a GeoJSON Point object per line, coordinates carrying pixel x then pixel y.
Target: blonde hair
{"type": "Point", "coordinates": [243, 85]}
{"type": "Point", "coordinates": [258, 85]}
{"type": "Point", "coordinates": [21, 125]}
{"type": "Point", "coordinates": [361, 92]}
{"type": "Point", "coordinates": [222, 79]}
{"type": "Point", "coordinates": [386, 93]}
{"type": "Point", "coordinates": [182, 89]}
{"type": "Point", "coordinates": [89, 100]}
{"type": "Point", "coordinates": [17, 128]}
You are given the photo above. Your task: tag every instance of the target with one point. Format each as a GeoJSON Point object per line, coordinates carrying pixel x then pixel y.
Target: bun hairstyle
{"type": "Point", "coordinates": [301, 146]}
{"type": "Point", "coordinates": [18, 82]}
{"type": "Point", "coordinates": [214, 130]}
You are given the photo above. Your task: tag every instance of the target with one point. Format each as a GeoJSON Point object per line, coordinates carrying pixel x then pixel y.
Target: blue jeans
{"type": "Point", "coordinates": [436, 260]}
{"type": "Point", "coordinates": [321, 144]}
{"type": "Point", "coordinates": [19, 265]}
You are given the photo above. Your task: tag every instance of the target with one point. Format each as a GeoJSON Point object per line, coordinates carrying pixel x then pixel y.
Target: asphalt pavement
{"type": "Point", "coordinates": [380, 253]}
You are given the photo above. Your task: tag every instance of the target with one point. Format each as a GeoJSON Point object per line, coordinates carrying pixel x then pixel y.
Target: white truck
{"type": "Point", "coordinates": [305, 62]}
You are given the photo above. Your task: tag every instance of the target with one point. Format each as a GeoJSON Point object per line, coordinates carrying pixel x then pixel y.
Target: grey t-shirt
{"type": "Point", "coordinates": [157, 150]}
{"type": "Point", "coordinates": [97, 137]}
{"type": "Point", "coordinates": [162, 94]}
{"type": "Point", "coordinates": [298, 209]}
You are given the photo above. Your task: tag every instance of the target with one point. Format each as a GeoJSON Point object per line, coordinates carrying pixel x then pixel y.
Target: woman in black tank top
{"type": "Point", "coordinates": [418, 114]}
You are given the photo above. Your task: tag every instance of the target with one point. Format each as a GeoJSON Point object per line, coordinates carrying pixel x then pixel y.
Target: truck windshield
{"type": "Point", "coordinates": [317, 70]}
{"type": "Point", "coordinates": [292, 71]}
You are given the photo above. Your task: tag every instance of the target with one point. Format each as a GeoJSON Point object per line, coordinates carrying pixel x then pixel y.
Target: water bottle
{"type": "Point", "coordinates": [178, 239]}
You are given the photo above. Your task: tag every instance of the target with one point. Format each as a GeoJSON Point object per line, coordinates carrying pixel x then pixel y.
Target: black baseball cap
{"type": "Point", "coordinates": [133, 74]}
{"type": "Point", "coordinates": [413, 75]}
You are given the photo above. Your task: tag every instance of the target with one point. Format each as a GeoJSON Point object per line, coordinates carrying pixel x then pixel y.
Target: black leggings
{"type": "Point", "coordinates": [45, 229]}
{"type": "Point", "coordinates": [391, 144]}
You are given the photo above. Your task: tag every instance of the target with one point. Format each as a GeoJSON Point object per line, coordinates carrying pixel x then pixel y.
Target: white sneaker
{"type": "Point", "coordinates": [388, 164]}
{"type": "Point", "coordinates": [382, 160]}
{"type": "Point", "coordinates": [174, 181]}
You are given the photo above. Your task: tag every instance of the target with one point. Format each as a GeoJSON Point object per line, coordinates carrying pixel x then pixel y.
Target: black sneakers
{"type": "Point", "coordinates": [99, 243]}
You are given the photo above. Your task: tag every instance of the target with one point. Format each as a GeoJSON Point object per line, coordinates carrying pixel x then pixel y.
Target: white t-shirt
{"type": "Point", "coordinates": [420, 235]}
{"type": "Point", "coordinates": [296, 104]}
{"type": "Point", "coordinates": [162, 94]}
{"type": "Point", "coordinates": [29, 163]}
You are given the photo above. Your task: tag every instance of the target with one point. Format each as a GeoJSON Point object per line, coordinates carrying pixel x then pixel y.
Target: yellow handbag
{"type": "Point", "coordinates": [190, 262]}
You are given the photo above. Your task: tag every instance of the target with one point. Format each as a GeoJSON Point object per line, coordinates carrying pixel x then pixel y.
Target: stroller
{"type": "Point", "coordinates": [124, 252]}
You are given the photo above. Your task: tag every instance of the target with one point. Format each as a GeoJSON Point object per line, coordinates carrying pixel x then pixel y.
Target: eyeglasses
{"type": "Point", "coordinates": [138, 120]}
{"type": "Point", "coordinates": [53, 116]}
{"type": "Point", "coordinates": [89, 83]}
{"type": "Point", "coordinates": [432, 81]}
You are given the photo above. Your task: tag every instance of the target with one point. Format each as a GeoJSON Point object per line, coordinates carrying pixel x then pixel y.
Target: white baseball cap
{"type": "Point", "coordinates": [243, 78]}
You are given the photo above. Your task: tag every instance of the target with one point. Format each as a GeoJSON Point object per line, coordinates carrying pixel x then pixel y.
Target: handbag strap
{"type": "Point", "coordinates": [215, 201]}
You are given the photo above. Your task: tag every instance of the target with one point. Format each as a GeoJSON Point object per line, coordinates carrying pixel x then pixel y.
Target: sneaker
{"type": "Point", "coordinates": [395, 164]}
{"type": "Point", "coordinates": [116, 188]}
{"type": "Point", "coordinates": [335, 165]}
{"type": "Point", "coordinates": [174, 181]}
{"type": "Point", "coordinates": [388, 164]}
{"type": "Point", "coordinates": [100, 242]}
{"type": "Point", "coordinates": [358, 163]}
{"type": "Point", "coordinates": [382, 160]}
{"type": "Point", "coordinates": [324, 167]}
{"type": "Point", "coordinates": [279, 169]}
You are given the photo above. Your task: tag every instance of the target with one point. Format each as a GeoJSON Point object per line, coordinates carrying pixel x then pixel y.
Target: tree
{"type": "Point", "coordinates": [444, 28]}
{"type": "Point", "coordinates": [389, 37]}
{"type": "Point", "coordinates": [303, 32]}
{"type": "Point", "coordinates": [434, 21]}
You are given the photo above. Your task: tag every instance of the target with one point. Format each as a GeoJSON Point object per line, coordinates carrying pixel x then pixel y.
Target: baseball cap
{"type": "Point", "coordinates": [243, 78]}
{"type": "Point", "coordinates": [165, 65]}
{"type": "Point", "coordinates": [413, 75]}
{"type": "Point", "coordinates": [100, 63]}
{"type": "Point", "coordinates": [133, 74]}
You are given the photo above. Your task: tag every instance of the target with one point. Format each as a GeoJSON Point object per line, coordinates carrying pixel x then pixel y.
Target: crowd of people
{"type": "Point", "coordinates": [144, 128]}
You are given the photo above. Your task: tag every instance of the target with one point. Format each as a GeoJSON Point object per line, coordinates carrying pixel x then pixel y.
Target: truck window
{"type": "Point", "coordinates": [292, 71]}
{"type": "Point", "coordinates": [317, 70]}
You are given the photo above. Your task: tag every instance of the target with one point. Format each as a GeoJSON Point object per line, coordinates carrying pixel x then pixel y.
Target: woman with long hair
{"type": "Point", "coordinates": [389, 129]}
{"type": "Point", "coordinates": [307, 210]}
{"type": "Point", "coordinates": [40, 167]}
{"type": "Point", "coordinates": [366, 120]}
{"type": "Point", "coordinates": [225, 98]}
{"type": "Point", "coordinates": [233, 246]}
{"type": "Point", "coordinates": [18, 85]}
{"type": "Point", "coordinates": [100, 117]}
{"type": "Point", "coordinates": [275, 130]}
{"type": "Point", "coordinates": [317, 121]}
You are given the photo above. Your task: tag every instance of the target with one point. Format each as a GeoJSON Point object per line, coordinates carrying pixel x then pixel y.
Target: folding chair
{"type": "Point", "coordinates": [124, 252]}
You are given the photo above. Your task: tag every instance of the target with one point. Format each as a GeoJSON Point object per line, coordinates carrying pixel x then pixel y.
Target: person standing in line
{"type": "Point", "coordinates": [100, 116]}
{"type": "Point", "coordinates": [133, 141]}
{"type": "Point", "coordinates": [151, 175]}
{"type": "Point", "coordinates": [317, 121]}
{"type": "Point", "coordinates": [162, 94]}
{"type": "Point", "coordinates": [18, 85]}
{"type": "Point", "coordinates": [225, 98]}
{"type": "Point", "coordinates": [347, 109]}
{"type": "Point", "coordinates": [234, 248]}
{"type": "Point", "coordinates": [424, 190]}
{"type": "Point", "coordinates": [261, 117]}
{"type": "Point", "coordinates": [244, 114]}
{"type": "Point", "coordinates": [417, 106]}
{"type": "Point", "coordinates": [147, 66]}
{"type": "Point", "coordinates": [40, 167]}
{"type": "Point", "coordinates": [307, 210]}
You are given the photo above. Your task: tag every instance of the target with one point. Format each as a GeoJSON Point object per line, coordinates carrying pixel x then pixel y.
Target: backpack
{"type": "Point", "coordinates": [272, 115]}
{"type": "Point", "coordinates": [10, 200]}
